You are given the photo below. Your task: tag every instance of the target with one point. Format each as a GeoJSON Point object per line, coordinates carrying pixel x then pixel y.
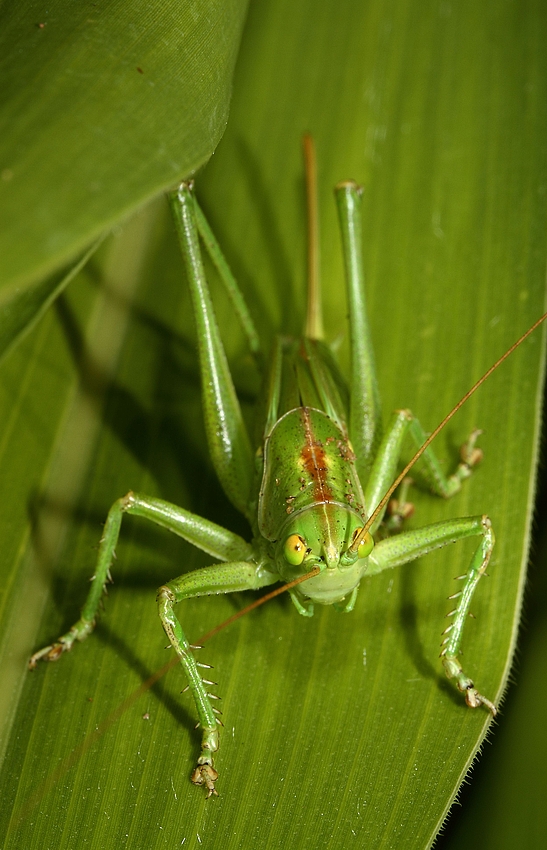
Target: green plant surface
{"type": "Point", "coordinates": [103, 105]}
{"type": "Point", "coordinates": [339, 730]}
{"type": "Point", "coordinates": [504, 806]}
{"type": "Point", "coordinates": [22, 307]}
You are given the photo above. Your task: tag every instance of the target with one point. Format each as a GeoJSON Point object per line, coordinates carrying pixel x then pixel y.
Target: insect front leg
{"type": "Point", "coordinates": [220, 578]}
{"type": "Point", "coordinates": [213, 539]}
{"type": "Point", "coordinates": [413, 544]}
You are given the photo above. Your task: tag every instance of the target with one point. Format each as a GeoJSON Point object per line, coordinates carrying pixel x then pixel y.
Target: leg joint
{"type": "Point", "coordinates": [127, 501]}
{"type": "Point", "coordinates": [165, 595]}
{"type": "Point", "coordinates": [404, 413]}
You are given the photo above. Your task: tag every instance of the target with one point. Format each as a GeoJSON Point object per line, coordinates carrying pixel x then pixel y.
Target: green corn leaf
{"type": "Point", "coordinates": [339, 730]}
{"type": "Point", "coordinates": [503, 806]}
{"type": "Point", "coordinates": [103, 106]}
{"type": "Point", "coordinates": [22, 307]}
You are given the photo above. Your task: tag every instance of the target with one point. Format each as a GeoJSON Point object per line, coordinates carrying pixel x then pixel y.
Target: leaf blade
{"type": "Point", "coordinates": [320, 748]}
{"type": "Point", "coordinates": [118, 103]}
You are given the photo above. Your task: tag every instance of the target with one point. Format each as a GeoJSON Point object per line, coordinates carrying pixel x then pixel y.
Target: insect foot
{"type": "Point", "coordinates": [51, 653]}
{"type": "Point", "coordinates": [48, 653]}
{"type": "Point", "coordinates": [400, 508]}
{"type": "Point", "coordinates": [205, 774]}
{"type": "Point", "coordinates": [473, 698]}
{"type": "Point", "coordinates": [470, 454]}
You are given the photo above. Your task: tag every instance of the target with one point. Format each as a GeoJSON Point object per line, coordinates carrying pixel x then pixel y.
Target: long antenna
{"type": "Point", "coordinates": [314, 315]}
{"type": "Point", "coordinates": [383, 502]}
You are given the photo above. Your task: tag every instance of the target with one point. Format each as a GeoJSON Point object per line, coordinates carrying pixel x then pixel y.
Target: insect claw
{"type": "Point", "coordinates": [205, 774]}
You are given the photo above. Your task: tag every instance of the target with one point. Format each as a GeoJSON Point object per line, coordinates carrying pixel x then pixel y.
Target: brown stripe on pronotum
{"type": "Point", "coordinates": [314, 460]}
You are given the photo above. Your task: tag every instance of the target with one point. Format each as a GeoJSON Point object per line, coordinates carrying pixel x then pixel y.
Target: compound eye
{"type": "Point", "coordinates": [295, 549]}
{"type": "Point", "coordinates": [366, 545]}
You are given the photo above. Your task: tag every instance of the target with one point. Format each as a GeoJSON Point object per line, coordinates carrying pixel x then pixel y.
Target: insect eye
{"type": "Point", "coordinates": [295, 549]}
{"type": "Point", "coordinates": [366, 545]}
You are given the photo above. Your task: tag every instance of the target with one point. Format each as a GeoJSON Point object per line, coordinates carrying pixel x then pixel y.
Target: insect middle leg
{"type": "Point", "coordinates": [410, 545]}
{"type": "Point", "coordinates": [222, 544]}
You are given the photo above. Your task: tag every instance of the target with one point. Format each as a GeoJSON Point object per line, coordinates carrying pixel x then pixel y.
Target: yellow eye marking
{"type": "Point", "coordinates": [366, 546]}
{"type": "Point", "coordinates": [295, 549]}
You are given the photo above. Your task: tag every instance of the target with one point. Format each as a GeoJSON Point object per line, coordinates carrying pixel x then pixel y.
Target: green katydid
{"type": "Point", "coordinates": [316, 486]}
